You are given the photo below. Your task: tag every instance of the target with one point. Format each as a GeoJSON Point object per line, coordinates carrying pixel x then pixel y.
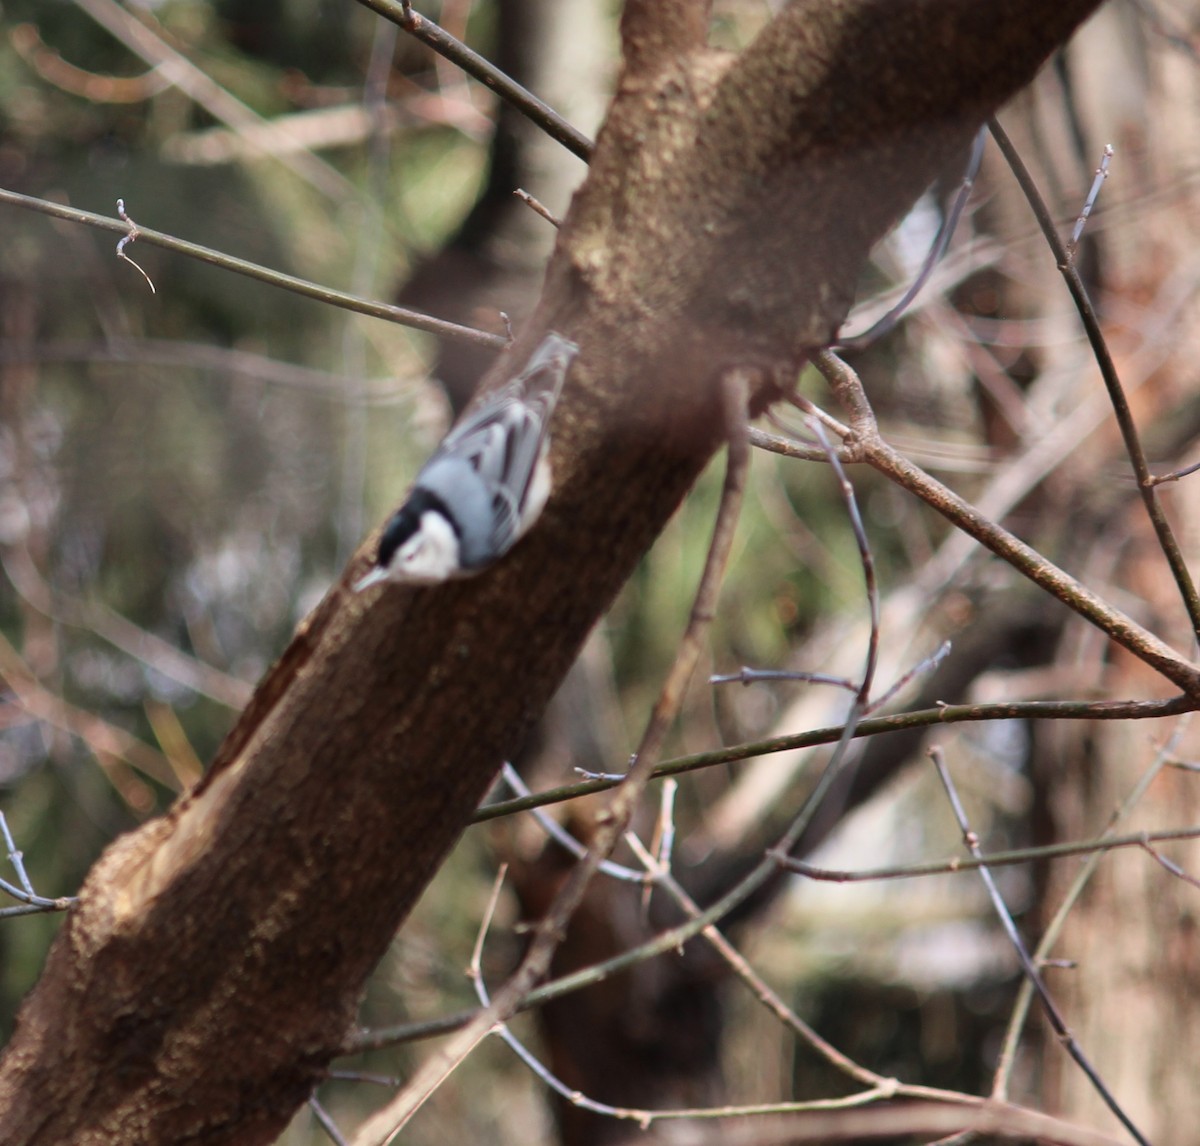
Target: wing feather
{"type": "Point", "coordinates": [504, 437]}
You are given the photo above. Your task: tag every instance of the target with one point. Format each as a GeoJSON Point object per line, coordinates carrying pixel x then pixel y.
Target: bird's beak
{"type": "Point", "coordinates": [377, 574]}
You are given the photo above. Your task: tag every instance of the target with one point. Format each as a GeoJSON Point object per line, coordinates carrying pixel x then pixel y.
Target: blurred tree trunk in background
{"type": "Point", "coordinates": [1135, 995]}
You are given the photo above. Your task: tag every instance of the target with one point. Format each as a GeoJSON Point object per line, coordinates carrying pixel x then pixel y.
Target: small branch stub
{"type": "Point", "coordinates": [1090, 202]}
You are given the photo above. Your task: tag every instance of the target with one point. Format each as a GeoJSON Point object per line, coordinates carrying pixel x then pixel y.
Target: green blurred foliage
{"type": "Point", "coordinates": [157, 459]}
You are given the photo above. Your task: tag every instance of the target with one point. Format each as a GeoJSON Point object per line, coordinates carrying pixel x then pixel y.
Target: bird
{"type": "Point", "coordinates": [484, 486]}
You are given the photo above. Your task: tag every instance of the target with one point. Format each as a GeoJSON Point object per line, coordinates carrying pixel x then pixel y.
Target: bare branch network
{"type": "Point", "coordinates": [962, 570]}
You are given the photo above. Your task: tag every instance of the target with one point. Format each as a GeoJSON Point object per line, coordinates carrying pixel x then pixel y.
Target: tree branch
{"type": "Point", "coordinates": [869, 446]}
{"type": "Point", "coordinates": [369, 307]}
{"type": "Point", "coordinates": [401, 13]}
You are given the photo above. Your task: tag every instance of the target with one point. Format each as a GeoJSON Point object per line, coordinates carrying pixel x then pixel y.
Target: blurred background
{"type": "Point", "coordinates": [183, 474]}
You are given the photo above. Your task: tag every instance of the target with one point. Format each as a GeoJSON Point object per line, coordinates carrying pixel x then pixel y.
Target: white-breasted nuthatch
{"type": "Point", "coordinates": [484, 486]}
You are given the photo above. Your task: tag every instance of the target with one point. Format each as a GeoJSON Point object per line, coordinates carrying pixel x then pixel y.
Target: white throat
{"type": "Point", "coordinates": [430, 555]}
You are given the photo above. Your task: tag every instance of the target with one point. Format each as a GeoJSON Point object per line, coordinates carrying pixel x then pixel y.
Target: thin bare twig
{"type": "Point", "coordinates": [665, 828]}
{"type": "Point", "coordinates": [369, 307]}
{"type": "Point", "coordinates": [1169, 864]}
{"type": "Point", "coordinates": [787, 447]}
{"type": "Point", "coordinates": [866, 558]}
{"type": "Point", "coordinates": [1053, 930]}
{"type": "Point", "coordinates": [868, 445]}
{"type": "Point", "coordinates": [1046, 445]}
{"type": "Point", "coordinates": [994, 859]}
{"type": "Point", "coordinates": [921, 668]}
{"type": "Point", "coordinates": [871, 726]}
{"type": "Point", "coordinates": [1184, 765]}
{"type": "Point", "coordinates": [1175, 475]}
{"type": "Point", "coordinates": [884, 1087]}
{"type": "Point", "coordinates": [881, 1089]}
{"type": "Point", "coordinates": [748, 676]}
{"type": "Point", "coordinates": [539, 1069]}
{"type": "Point", "coordinates": [1090, 201]}
{"type": "Point", "coordinates": [1032, 974]}
{"type": "Point", "coordinates": [389, 1080]}
{"type": "Point", "coordinates": [32, 903]}
{"type": "Point", "coordinates": [537, 111]}
{"type": "Point", "coordinates": [17, 859]}
{"type": "Point", "coordinates": [537, 207]}
{"type": "Point", "coordinates": [409, 1032]}
{"type": "Point", "coordinates": [1108, 370]}
{"type": "Point", "coordinates": [562, 837]}
{"type": "Point", "coordinates": [326, 1121]}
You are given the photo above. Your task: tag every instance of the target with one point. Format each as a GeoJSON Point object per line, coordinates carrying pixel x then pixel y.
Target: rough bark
{"type": "Point", "coordinates": [217, 955]}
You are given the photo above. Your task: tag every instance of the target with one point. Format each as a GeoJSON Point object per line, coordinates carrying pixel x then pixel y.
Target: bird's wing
{"type": "Point", "coordinates": [504, 435]}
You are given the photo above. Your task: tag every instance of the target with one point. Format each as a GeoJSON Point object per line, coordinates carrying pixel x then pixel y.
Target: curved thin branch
{"type": "Point", "coordinates": [937, 250]}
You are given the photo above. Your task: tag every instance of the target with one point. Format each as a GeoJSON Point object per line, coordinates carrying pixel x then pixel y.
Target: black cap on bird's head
{"type": "Point", "coordinates": [401, 528]}
{"type": "Point", "coordinates": [407, 520]}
